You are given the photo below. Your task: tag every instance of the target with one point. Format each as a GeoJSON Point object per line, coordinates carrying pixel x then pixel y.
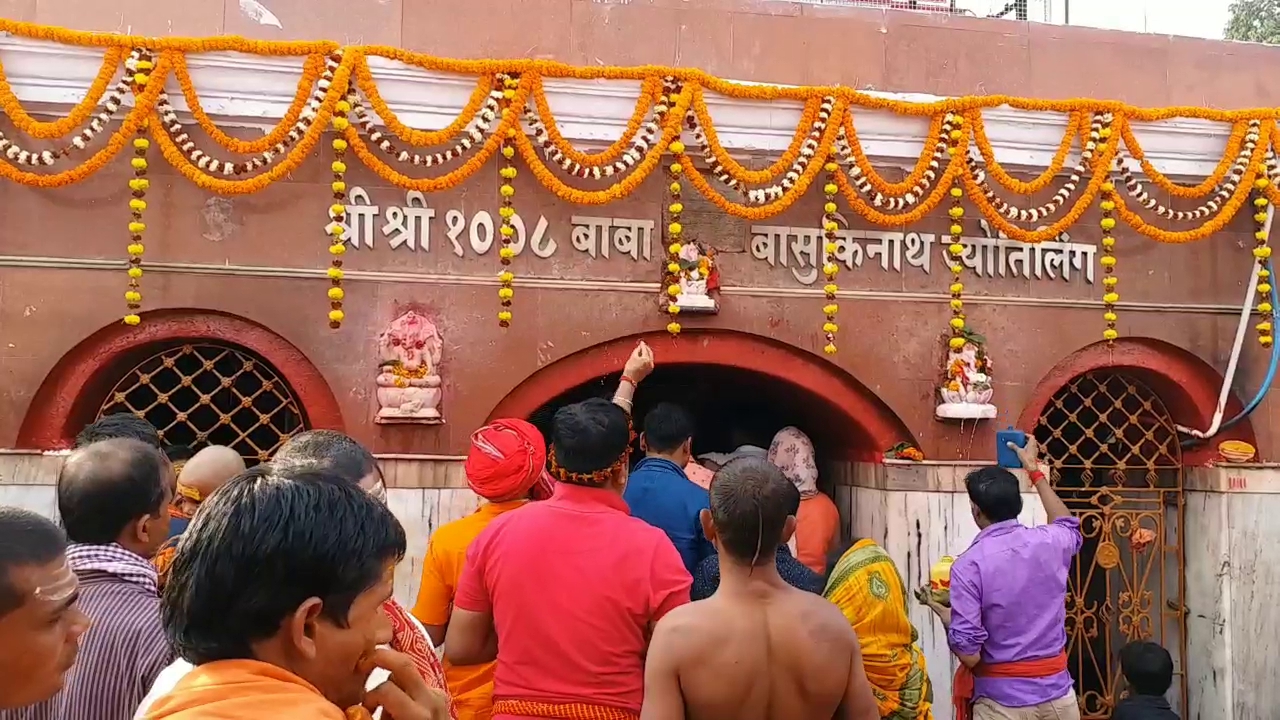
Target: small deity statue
{"type": "Point", "coordinates": [966, 386]}
{"type": "Point", "coordinates": [408, 375]}
{"type": "Point", "coordinates": [698, 278]}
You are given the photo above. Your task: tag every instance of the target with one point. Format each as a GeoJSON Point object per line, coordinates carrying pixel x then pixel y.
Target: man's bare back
{"type": "Point", "coordinates": [765, 651]}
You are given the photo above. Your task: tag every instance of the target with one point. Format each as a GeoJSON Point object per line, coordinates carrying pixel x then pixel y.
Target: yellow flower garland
{"type": "Point", "coordinates": [507, 191]}
{"type": "Point", "coordinates": [955, 135]}
{"type": "Point", "coordinates": [338, 214]}
{"type": "Point", "coordinates": [141, 69]}
{"type": "Point", "coordinates": [829, 248]}
{"type": "Point", "coordinates": [1262, 253]}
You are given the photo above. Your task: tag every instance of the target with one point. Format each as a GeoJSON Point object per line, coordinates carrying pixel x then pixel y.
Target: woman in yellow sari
{"type": "Point", "coordinates": [865, 584]}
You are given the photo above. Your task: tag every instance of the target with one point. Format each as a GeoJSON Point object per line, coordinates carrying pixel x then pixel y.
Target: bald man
{"type": "Point", "coordinates": [205, 472]}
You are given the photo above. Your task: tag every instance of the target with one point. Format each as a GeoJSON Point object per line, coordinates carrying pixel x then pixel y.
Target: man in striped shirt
{"type": "Point", "coordinates": [40, 623]}
{"type": "Point", "coordinates": [114, 498]}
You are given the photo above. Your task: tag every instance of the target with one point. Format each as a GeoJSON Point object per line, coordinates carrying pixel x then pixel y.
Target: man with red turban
{"type": "Point", "coordinates": [506, 466]}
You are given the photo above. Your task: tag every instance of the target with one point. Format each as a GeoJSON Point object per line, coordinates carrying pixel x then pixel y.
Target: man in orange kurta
{"type": "Point", "coordinates": [506, 462]}
{"type": "Point", "coordinates": [282, 621]}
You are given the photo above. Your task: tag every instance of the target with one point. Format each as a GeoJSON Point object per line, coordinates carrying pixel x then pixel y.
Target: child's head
{"type": "Point", "coordinates": [1147, 667]}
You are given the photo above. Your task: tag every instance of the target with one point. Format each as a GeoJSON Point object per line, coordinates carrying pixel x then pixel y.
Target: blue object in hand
{"type": "Point", "coordinates": [1005, 456]}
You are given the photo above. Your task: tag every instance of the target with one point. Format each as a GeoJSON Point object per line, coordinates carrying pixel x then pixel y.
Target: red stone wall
{"type": "Point", "coordinates": [891, 343]}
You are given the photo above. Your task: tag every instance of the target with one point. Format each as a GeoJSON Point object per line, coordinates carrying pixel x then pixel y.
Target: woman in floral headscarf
{"type": "Point", "coordinates": [818, 522]}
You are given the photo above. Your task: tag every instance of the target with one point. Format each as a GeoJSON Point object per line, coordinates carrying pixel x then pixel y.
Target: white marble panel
{"type": "Point", "coordinates": [38, 498]}
{"type": "Point", "coordinates": [1209, 589]}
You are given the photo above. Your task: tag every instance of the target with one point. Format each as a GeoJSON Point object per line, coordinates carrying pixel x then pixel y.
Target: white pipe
{"type": "Point", "coordinates": [1245, 313]}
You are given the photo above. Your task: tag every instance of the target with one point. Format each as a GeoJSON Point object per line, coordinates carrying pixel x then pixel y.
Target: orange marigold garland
{"type": "Point", "coordinates": [140, 68]}
{"type": "Point", "coordinates": [674, 208]}
{"type": "Point", "coordinates": [338, 213]}
{"type": "Point", "coordinates": [829, 249]}
{"type": "Point", "coordinates": [1262, 252]}
{"type": "Point", "coordinates": [508, 172]}
{"type": "Point", "coordinates": [955, 250]}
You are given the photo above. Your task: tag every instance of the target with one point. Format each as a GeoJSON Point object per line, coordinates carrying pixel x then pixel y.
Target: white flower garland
{"type": "Point", "coordinates": [976, 168]}
{"type": "Point", "coordinates": [769, 193]}
{"type": "Point", "coordinates": [476, 130]}
{"type": "Point", "coordinates": [917, 192]}
{"type": "Point", "coordinates": [1136, 190]}
{"type": "Point", "coordinates": [204, 161]}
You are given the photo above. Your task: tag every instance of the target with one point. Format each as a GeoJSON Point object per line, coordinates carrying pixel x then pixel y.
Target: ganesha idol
{"type": "Point", "coordinates": [408, 375]}
{"type": "Point", "coordinates": [966, 386]}
{"type": "Point", "coordinates": [698, 276]}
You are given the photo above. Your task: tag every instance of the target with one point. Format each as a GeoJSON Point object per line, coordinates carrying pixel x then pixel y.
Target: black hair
{"type": "Point", "coordinates": [26, 539]}
{"type": "Point", "coordinates": [104, 487]}
{"type": "Point", "coordinates": [262, 545]}
{"type": "Point", "coordinates": [119, 425]}
{"type": "Point", "coordinates": [666, 427]}
{"type": "Point", "coordinates": [750, 502]}
{"type": "Point", "coordinates": [791, 499]}
{"type": "Point", "coordinates": [1147, 667]}
{"type": "Point", "coordinates": [179, 453]}
{"type": "Point", "coordinates": [326, 451]}
{"type": "Point", "coordinates": [995, 492]}
{"type": "Point", "coordinates": [589, 436]}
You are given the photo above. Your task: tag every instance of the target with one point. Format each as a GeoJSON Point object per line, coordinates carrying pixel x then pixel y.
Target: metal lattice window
{"type": "Point", "coordinates": [210, 394]}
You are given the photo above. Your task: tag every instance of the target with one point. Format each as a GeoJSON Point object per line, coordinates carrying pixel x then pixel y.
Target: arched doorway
{"type": "Point", "coordinates": [199, 376]}
{"type": "Point", "coordinates": [1116, 462]}
{"type": "Point", "coordinates": [729, 380]}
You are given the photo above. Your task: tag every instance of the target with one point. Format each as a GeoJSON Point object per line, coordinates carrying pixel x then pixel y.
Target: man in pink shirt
{"type": "Point", "coordinates": [572, 585]}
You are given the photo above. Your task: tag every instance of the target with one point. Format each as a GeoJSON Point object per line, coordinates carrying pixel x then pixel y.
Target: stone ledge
{"type": "Point", "coordinates": [907, 476]}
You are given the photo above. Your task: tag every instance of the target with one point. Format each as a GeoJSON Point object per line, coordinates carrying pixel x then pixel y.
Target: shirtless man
{"type": "Point", "coordinates": [758, 649]}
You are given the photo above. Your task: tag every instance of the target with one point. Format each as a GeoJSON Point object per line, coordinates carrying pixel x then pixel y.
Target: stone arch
{"type": "Point", "coordinates": [1187, 385]}
{"type": "Point", "coordinates": [71, 393]}
{"type": "Point", "coordinates": [835, 396]}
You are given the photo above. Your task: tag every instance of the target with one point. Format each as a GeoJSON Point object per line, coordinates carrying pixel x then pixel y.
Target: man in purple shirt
{"type": "Point", "coordinates": [1007, 618]}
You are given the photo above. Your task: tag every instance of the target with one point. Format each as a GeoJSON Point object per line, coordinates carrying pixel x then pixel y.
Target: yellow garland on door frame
{"type": "Point", "coordinates": [694, 84]}
{"type": "Point", "coordinates": [674, 229]}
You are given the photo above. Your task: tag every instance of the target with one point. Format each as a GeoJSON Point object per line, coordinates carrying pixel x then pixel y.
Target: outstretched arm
{"type": "Point", "coordinates": [637, 368]}
{"type": "Point", "coordinates": [662, 697]}
{"type": "Point", "coordinates": [859, 703]}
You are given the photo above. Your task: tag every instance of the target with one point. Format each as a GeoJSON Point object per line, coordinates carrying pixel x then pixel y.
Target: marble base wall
{"type": "Point", "coordinates": [1233, 617]}
{"type": "Point", "coordinates": [423, 494]}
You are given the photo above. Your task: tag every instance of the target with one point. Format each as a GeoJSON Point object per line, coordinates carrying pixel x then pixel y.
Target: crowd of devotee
{"type": "Point", "coordinates": [586, 586]}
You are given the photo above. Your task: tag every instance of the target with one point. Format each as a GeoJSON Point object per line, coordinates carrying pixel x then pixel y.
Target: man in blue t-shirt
{"type": "Point", "coordinates": [659, 492]}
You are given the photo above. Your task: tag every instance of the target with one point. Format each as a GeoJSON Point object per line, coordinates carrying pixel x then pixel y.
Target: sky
{"type": "Point", "coordinates": [1194, 18]}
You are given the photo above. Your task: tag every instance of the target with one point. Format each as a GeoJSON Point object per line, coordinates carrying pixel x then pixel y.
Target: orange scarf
{"type": "Point", "coordinates": [407, 639]}
{"type": "Point", "coordinates": [962, 683]}
{"type": "Point", "coordinates": [242, 689]}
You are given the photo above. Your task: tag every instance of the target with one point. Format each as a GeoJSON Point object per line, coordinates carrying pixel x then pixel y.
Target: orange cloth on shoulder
{"type": "Point", "coordinates": [243, 689]}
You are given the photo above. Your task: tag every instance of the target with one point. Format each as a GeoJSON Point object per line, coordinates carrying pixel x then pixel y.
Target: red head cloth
{"type": "Point", "coordinates": [508, 459]}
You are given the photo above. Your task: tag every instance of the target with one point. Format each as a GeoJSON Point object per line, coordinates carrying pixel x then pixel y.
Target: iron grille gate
{"type": "Point", "coordinates": [1116, 462]}
{"type": "Point", "coordinates": [207, 393]}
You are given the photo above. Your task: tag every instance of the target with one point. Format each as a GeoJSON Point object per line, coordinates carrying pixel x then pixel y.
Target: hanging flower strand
{"type": "Point", "coordinates": [1262, 253]}
{"type": "Point", "coordinates": [139, 66]}
{"type": "Point", "coordinates": [1108, 260]}
{"type": "Point", "coordinates": [507, 190]}
{"type": "Point", "coordinates": [674, 208]}
{"type": "Point", "coordinates": [955, 250]}
{"type": "Point", "coordinates": [829, 249]}
{"type": "Point", "coordinates": [338, 213]}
